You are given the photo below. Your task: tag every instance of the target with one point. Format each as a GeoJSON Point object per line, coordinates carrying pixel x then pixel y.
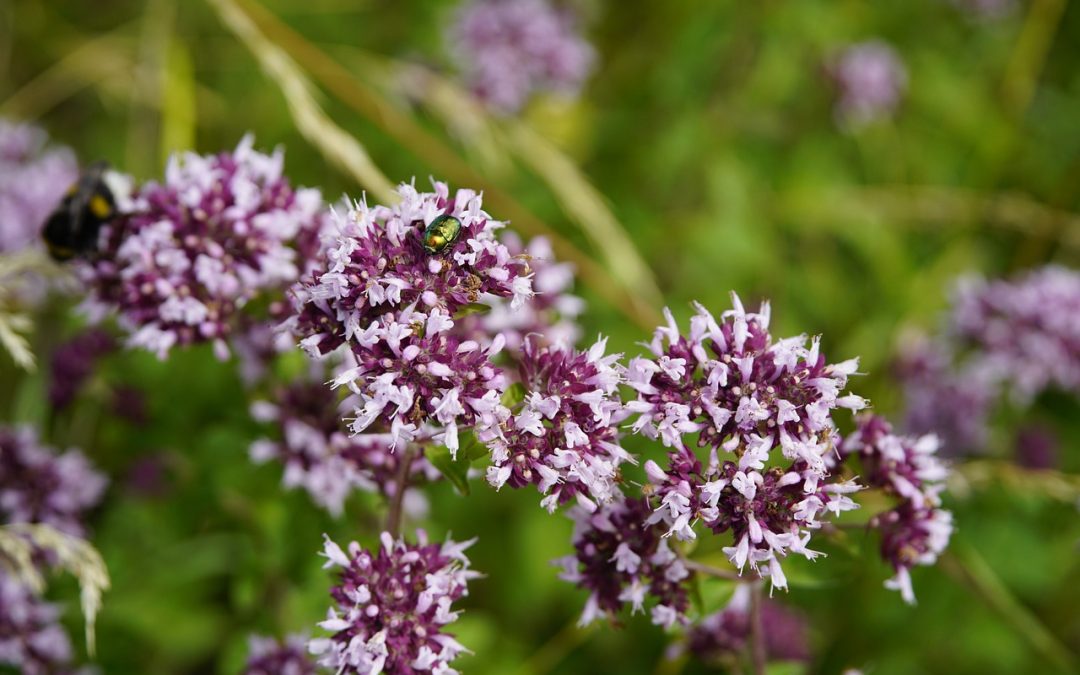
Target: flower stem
{"type": "Point", "coordinates": [757, 632]}
{"type": "Point", "coordinates": [711, 571]}
{"type": "Point", "coordinates": [967, 565]}
{"type": "Point", "coordinates": [558, 647]}
{"type": "Point", "coordinates": [401, 483]}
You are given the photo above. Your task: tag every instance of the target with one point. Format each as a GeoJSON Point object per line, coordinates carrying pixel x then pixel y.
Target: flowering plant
{"type": "Point", "coordinates": [435, 341]}
{"type": "Point", "coordinates": [615, 390]}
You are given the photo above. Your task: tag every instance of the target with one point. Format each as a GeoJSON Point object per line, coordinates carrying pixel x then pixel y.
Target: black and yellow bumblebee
{"type": "Point", "coordinates": [73, 227]}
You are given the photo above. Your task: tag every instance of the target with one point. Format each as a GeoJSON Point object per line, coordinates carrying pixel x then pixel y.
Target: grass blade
{"type": "Point", "coordinates": [17, 272]}
{"type": "Point", "coordinates": [178, 107]}
{"type": "Point", "coordinates": [586, 206]}
{"type": "Point", "coordinates": [331, 140]}
{"type": "Point", "coordinates": [95, 61]}
{"type": "Point", "coordinates": [965, 563]}
{"type": "Point", "coordinates": [71, 553]}
{"type": "Point", "coordinates": [933, 206]}
{"type": "Point", "coordinates": [12, 327]}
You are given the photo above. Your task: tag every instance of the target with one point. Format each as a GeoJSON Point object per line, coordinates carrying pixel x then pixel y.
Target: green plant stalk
{"type": "Point", "coordinates": [757, 629]}
{"type": "Point", "coordinates": [332, 141]}
{"type": "Point", "coordinates": [147, 85]}
{"type": "Point", "coordinates": [397, 500]}
{"type": "Point", "coordinates": [1047, 482]}
{"type": "Point", "coordinates": [551, 653]}
{"type": "Point", "coordinates": [585, 205]}
{"type": "Point", "coordinates": [178, 100]}
{"type": "Point", "coordinates": [709, 570]}
{"type": "Point", "coordinates": [965, 564]}
{"type": "Point", "coordinates": [940, 206]}
{"type": "Point", "coordinates": [1029, 55]}
{"type": "Point", "coordinates": [92, 62]}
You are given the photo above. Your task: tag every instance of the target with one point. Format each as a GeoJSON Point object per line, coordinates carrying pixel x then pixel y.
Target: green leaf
{"type": "Point", "coordinates": [695, 594]}
{"type": "Point", "coordinates": [472, 308]}
{"type": "Point", "coordinates": [455, 470]}
{"type": "Point", "coordinates": [470, 447]}
{"type": "Point", "coordinates": [514, 395]}
{"type": "Point", "coordinates": [336, 144]}
{"type": "Point", "coordinates": [966, 563]}
{"type": "Point", "coordinates": [711, 594]}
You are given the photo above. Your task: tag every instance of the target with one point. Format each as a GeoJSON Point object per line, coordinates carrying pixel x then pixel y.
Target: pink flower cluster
{"type": "Point", "coordinates": [917, 530]}
{"type": "Point", "coordinates": [392, 606]}
{"type": "Point", "coordinates": [319, 455]}
{"type": "Point", "coordinates": [511, 49]}
{"type": "Point", "coordinates": [1005, 340]}
{"type": "Point", "coordinates": [267, 656]}
{"type": "Point", "coordinates": [621, 561]}
{"type": "Point", "coordinates": [393, 303]}
{"type": "Point", "coordinates": [721, 636]}
{"type": "Point", "coordinates": [31, 637]}
{"type": "Point", "coordinates": [871, 80]}
{"type": "Point", "coordinates": [73, 362]}
{"type": "Point", "coordinates": [742, 395]}
{"type": "Point", "coordinates": [953, 403]}
{"type": "Point", "coordinates": [1024, 332]}
{"type": "Point", "coordinates": [549, 317]}
{"type": "Point", "coordinates": [192, 251]}
{"type": "Point", "coordinates": [37, 485]}
{"type": "Point", "coordinates": [564, 438]}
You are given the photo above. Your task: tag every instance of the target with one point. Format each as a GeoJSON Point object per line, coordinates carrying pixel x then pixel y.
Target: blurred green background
{"type": "Point", "coordinates": [708, 128]}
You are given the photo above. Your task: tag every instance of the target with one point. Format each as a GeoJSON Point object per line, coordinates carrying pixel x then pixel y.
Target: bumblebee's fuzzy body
{"type": "Point", "coordinates": [73, 227]}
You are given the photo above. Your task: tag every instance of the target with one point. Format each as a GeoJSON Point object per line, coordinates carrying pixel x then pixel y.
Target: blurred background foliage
{"type": "Point", "coordinates": [708, 129]}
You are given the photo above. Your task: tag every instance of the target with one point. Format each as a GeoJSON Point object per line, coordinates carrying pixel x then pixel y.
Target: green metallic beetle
{"type": "Point", "coordinates": [442, 232]}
